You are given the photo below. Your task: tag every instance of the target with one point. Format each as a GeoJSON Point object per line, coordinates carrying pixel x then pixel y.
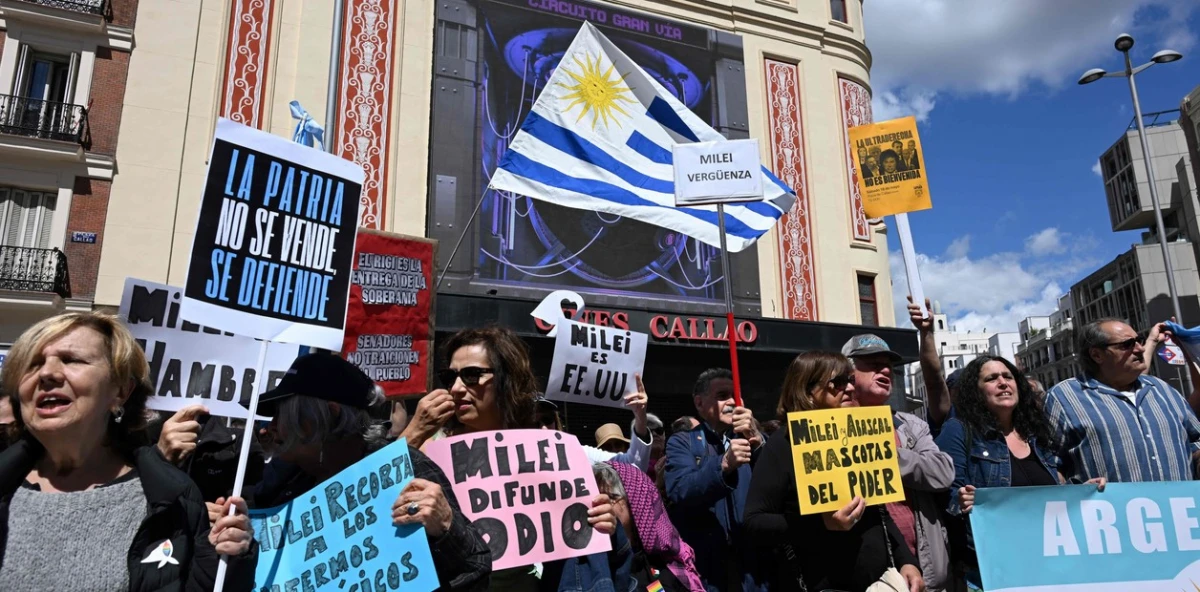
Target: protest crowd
{"type": "Point", "coordinates": [710, 504]}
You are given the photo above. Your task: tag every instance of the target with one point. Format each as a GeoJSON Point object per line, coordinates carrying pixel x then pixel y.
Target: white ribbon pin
{"type": "Point", "coordinates": [162, 554]}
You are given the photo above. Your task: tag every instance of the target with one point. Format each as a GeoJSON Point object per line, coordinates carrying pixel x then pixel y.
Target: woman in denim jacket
{"type": "Point", "coordinates": [997, 439]}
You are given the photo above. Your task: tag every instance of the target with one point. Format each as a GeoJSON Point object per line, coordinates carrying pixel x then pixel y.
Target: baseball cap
{"type": "Point", "coordinates": [609, 431]}
{"type": "Point", "coordinates": [954, 377]}
{"type": "Point", "coordinates": [322, 376]}
{"type": "Point", "coordinates": [868, 345]}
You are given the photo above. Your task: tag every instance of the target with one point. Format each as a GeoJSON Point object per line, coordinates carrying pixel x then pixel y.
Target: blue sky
{"type": "Point", "coordinates": [1011, 140]}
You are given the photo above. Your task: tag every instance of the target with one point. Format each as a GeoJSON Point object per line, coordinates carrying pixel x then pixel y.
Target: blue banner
{"type": "Point", "coordinates": [1132, 537]}
{"type": "Point", "coordinates": [339, 535]}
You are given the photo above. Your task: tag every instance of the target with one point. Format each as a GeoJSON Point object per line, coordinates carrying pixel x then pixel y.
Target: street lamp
{"type": "Point", "coordinates": [1123, 44]}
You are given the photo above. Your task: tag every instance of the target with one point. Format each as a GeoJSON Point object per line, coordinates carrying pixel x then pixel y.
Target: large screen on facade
{"type": "Point", "coordinates": [491, 59]}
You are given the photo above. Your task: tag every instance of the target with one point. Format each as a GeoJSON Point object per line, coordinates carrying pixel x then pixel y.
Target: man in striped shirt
{"type": "Point", "coordinates": [1114, 422]}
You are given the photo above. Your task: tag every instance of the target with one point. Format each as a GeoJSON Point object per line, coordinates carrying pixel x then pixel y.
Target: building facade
{"type": "Point", "coordinates": [1047, 347]}
{"type": "Point", "coordinates": [63, 71]}
{"type": "Point", "coordinates": [426, 96]}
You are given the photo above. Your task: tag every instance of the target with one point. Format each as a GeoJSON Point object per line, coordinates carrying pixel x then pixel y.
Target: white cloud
{"type": "Point", "coordinates": [1046, 242]}
{"type": "Point", "coordinates": [1096, 169]}
{"type": "Point", "coordinates": [925, 47]}
{"type": "Point", "coordinates": [994, 292]}
{"type": "Point", "coordinates": [889, 105]}
{"type": "Point", "coordinates": [959, 247]}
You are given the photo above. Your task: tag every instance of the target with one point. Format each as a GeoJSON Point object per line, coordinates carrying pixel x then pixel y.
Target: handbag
{"type": "Point", "coordinates": [891, 580]}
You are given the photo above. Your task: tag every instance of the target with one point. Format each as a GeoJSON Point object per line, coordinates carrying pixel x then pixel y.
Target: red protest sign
{"type": "Point", "coordinates": [389, 317]}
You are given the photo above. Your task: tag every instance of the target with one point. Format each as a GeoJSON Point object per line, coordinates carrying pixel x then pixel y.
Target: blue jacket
{"type": "Point", "coordinates": [598, 572]}
{"type": "Point", "coordinates": [707, 508]}
{"type": "Point", "coordinates": [982, 462]}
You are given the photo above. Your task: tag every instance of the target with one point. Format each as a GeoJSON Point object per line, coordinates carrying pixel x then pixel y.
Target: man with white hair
{"type": "Point", "coordinates": [924, 469]}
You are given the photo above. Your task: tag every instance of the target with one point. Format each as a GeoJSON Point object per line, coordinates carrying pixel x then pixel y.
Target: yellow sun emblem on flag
{"type": "Point", "coordinates": [597, 91]}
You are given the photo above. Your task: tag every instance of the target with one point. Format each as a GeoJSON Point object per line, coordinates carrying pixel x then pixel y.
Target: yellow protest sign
{"type": "Point", "coordinates": [891, 167]}
{"type": "Point", "coordinates": [842, 453]}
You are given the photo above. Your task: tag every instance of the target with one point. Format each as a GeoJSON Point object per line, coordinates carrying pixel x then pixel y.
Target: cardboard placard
{"type": "Point", "coordinates": [274, 240]}
{"type": "Point", "coordinates": [595, 365]}
{"type": "Point", "coordinates": [339, 534]}
{"type": "Point", "coordinates": [892, 171]}
{"type": "Point", "coordinates": [842, 453]}
{"type": "Point", "coordinates": [191, 364]}
{"type": "Point", "coordinates": [527, 491]}
{"type": "Point", "coordinates": [1131, 537]}
{"type": "Point", "coordinates": [728, 171]}
{"type": "Point", "coordinates": [389, 320]}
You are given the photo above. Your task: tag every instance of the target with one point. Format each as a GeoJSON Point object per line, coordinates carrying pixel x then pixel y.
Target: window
{"type": "Point", "coordinates": [866, 300]}
{"type": "Point", "coordinates": [47, 77]}
{"type": "Point", "coordinates": [941, 326]}
{"type": "Point", "coordinates": [838, 8]}
{"type": "Point", "coordinates": [25, 217]}
{"type": "Point", "coordinates": [44, 89]}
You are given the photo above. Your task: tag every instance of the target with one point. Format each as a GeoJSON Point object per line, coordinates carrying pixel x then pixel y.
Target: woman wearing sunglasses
{"type": "Point", "coordinates": [491, 387]}
{"type": "Point", "coordinates": [998, 438]}
{"type": "Point", "coordinates": [850, 549]}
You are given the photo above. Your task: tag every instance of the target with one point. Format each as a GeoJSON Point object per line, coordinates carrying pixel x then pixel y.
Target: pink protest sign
{"type": "Point", "coordinates": [527, 491]}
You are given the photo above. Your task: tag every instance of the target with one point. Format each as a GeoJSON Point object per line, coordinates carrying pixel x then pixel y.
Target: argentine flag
{"type": "Point", "coordinates": [599, 138]}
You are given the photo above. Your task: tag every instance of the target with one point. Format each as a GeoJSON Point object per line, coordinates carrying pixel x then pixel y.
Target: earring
{"type": "Point", "coordinates": [118, 414]}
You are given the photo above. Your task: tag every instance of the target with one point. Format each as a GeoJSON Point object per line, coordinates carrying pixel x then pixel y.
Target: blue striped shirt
{"type": "Point", "coordinates": [1099, 432]}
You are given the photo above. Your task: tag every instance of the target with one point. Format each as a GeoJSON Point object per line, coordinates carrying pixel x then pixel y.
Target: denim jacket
{"type": "Point", "coordinates": [982, 462]}
{"type": "Point", "coordinates": [598, 572]}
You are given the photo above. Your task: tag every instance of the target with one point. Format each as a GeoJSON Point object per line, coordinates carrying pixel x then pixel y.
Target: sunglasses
{"type": "Point", "coordinates": [469, 375]}
{"type": "Point", "coordinates": [1126, 345]}
{"type": "Point", "coordinates": [840, 382]}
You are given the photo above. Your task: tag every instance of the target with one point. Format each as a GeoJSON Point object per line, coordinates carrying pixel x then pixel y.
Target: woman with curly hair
{"type": "Point", "coordinates": [998, 438]}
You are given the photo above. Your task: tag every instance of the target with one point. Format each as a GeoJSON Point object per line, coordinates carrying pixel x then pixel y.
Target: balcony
{"type": "Point", "coordinates": [24, 269]}
{"type": "Point", "coordinates": [46, 120]}
{"type": "Point", "coordinates": [81, 16]}
{"type": "Point", "coordinates": [92, 7]}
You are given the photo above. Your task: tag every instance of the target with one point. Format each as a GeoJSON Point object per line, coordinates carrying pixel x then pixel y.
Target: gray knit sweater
{"type": "Point", "coordinates": [72, 542]}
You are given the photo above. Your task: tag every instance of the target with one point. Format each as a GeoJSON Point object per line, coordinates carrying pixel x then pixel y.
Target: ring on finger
{"type": "Point", "coordinates": [413, 508]}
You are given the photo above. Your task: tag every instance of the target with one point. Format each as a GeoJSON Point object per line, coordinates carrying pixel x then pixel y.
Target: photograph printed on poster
{"type": "Point", "coordinates": [274, 240]}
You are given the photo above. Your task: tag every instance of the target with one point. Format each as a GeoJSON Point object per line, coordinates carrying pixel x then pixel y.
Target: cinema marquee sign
{"type": "Point", "coordinates": [663, 328]}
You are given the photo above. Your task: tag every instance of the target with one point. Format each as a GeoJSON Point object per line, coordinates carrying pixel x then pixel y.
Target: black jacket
{"type": "Point", "coordinates": [851, 560]}
{"type": "Point", "coordinates": [175, 512]}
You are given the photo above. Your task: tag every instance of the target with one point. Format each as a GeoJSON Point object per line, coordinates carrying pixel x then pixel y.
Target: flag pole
{"type": "Point", "coordinates": [910, 263]}
{"type": "Point", "coordinates": [466, 228]}
{"type": "Point", "coordinates": [730, 328]}
{"type": "Point", "coordinates": [239, 478]}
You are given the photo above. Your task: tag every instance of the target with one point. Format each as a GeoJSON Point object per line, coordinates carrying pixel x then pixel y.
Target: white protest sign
{"type": "Point", "coordinates": [550, 309]}
{"type": "Point", "coordinates": [717, 172]}
{"type": "Point", "coordinates": [274, 242]}
{"type": "Point", "coordinates": [595, 365]}
{"type": "Point", "coordinates": [191, 364]}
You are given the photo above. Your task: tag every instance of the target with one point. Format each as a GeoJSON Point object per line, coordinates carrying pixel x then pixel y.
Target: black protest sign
{"type": "Point", "coordinates": [274, 241]}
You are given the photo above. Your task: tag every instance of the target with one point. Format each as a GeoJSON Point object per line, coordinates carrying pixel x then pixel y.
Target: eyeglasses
{"type": "Point", "coordinates": [1126, 345]}
{"type": "Point", "coordinates": [469, 375]}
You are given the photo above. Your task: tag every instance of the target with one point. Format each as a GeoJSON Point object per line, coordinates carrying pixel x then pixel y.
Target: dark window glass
{"type": "Point", "coordinates": [866, 300]}
{"type": "Point", "coordinates": [838, 8]}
